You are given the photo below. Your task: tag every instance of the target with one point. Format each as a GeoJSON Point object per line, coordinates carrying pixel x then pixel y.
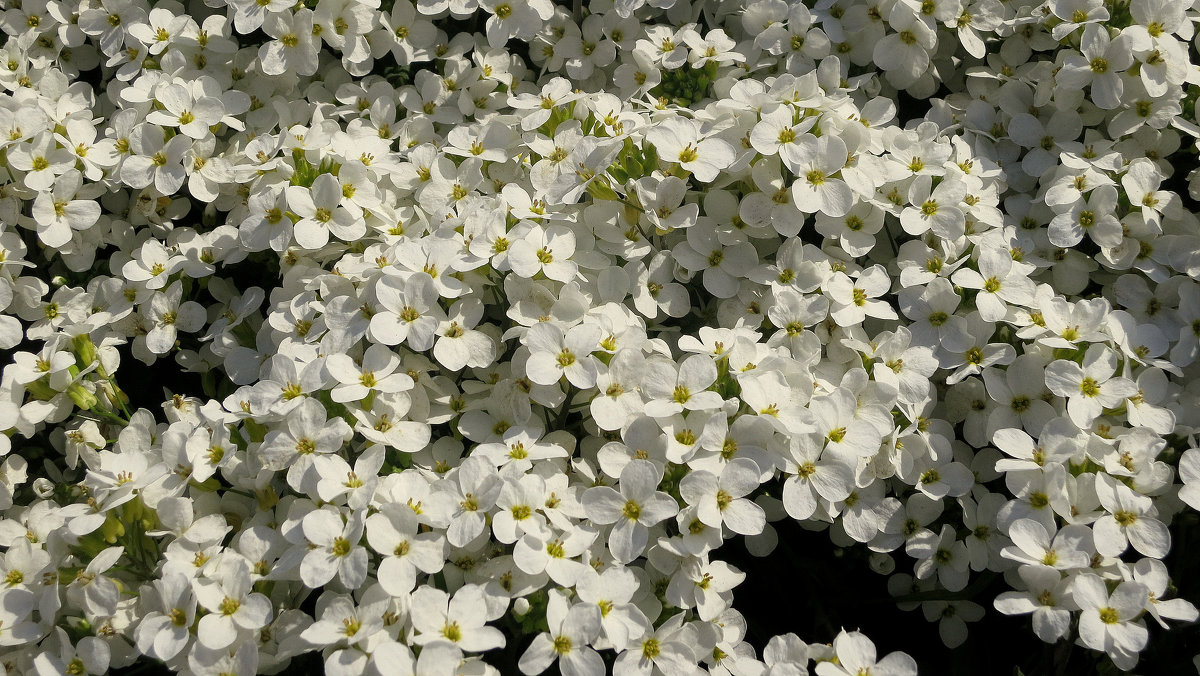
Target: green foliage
{"type": "Point", "coordinates": [685, 86]}
{"type": "Point", "coordinates": [397, 76]}
{"type": "Point", "coordinates": [307, 172]}
{"type": "Point", "coordinates": [1189, 102]}
{"type": "Point", "coordinates": [1118, 12]}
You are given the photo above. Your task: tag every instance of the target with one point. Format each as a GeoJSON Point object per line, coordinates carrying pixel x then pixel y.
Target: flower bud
{"type": "Point", "coordinates": [881, 563]}
{"type": "Point", "coordinates": [600, 190]}
{"type": "Point", "coordinates": [82, 398]}
{"type": "Point", "coordinates": [43, 488]}
{"type": "Point", "coordinates": [85, 350]}
{"type": "Point", "coordinates": [112, 529]}
{"type": "Point", "coordinates": [520, 607]}
{"type": "Point", "coordinates": [41, 390]}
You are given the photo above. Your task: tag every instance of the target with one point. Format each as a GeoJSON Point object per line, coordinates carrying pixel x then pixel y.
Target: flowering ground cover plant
{"type": "Point", "coordinates": [479, 336]}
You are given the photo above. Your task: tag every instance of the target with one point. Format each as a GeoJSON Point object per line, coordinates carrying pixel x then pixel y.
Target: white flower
{"type": "Point", "coordinates": [408, 311]}
{"type": "Point", "coordinates": [1100, 66]}
{"type": "Point", "coordinates": [668, 649]}
{"type": "Point", "coordinates": [168, 314]}
{"type": "Point", "coordinates": [155, 161]}
{"type": "Point", "coordinates": [612, 591]}
{"type": "Point", "coordinates": [999, 280]}
{"type": "Point", "coordinates": [815, 161]}
{"type": "Point", "coordinates": [90, 655]}
{"type": "Point", "coordinates": [1189, 472]}
{"type": "Point", "coordinates": [1045, 596]}
{"type": "Point", "coordinates": [637, 506]}
{"type": "Point", "coordinates": [1141, 181]}
{"type": "Point", "coordinates": [619, 399]}
{"type": "Point", "coordinates": [1089, 388]}
{"type": "Point", "coordinates": [293, 47]}
{"type": "Point", "coordinates": [775, 133]}
{"type": "Point", "coordinates": [671, 392]}
{"type": "Point", "coordinates": [233, 608]}
{"type": "Point", "coordinates": [162, 28]}
{"type": "Point", "coordinates": [249, 14]}
{"type": "Point", "coordinates": [856, 299]}
{"type": "Point", "coordinates": [1096, 217]}
{"type": "Point", "coordinates": [193, 114]}
{"type": "Point", "coordinates": [341, 623]}
{"type": "Point", "coordinates": [322, 213]}
{"type": "Point", "coordinates": [545, 250]}
{"type": "Point", "coordinates": [813, 478]}
{"type": "Point", "coordinates": [704, 585]}
{"type": "Point", "coordinates": [377, 373]}
{"type": "Point", "coordinates": [942, 554]}
{"type": "Point", "coordinates": [1032, 545]}
{"type": "Point", "coordinates": [856, 654]}
{"type": "Point", "coordinates": [16, 607]}
{"type": "Point", "coordinates": [459, 620]}
{"type": "Point", "coordinates": [1130, 520]}
{"type": "Point", "coordinates": [1076, 13]}
{"type": "Point", "coordinates": [64, 208]}
{"type": "Point", "coordinates": [164, 633]}
{"type": "Point", "coordinates": [935, 209]}
{"type": "Point", "coordinates": [355, 486]}
{"type": "Point", "coordinates": [556, 555]}
{"type": "Point", "coordinates": [855, 231]}
{"type": "Point", "coordinates": [393, 533]}
{"type": "Point", "coordinates": [904, 367]}
{"type": "Point", "coordinates": [1152, 573]}
{"type": "Point", "coordinates": [572, 628]}
{"type": "Point", "coordinates": [474, 488]}
{"type": "Point", "coordinates": [904, 54]}
{"type": "Point", "coordinates": [43, 161]}
{"type": "Point", "coordinates": [1109, 622]}
{"type": "Point", "coordinates": [721, 499]}
{"type": "Point", "coordinates": [306, 434]}
{"type": "Point", "coordinates": [459, 343]}
{"type": "Point", "coordinates": [515, 19]}
{"type": "Point", "coordinates": [722, 265]}
{"type": "Point", "coordinates": [681, 141]}
{"type": "Point", "coordinates": [409, 36]}
{"type": "Point", "coordinates": [664, 44]}
{"type": "Point", "coordinates": [517, 515]}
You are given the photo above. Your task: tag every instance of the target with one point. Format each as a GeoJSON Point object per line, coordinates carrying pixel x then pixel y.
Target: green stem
{"type": "Point", "coordinates": [117, 392]}
{"type": "Point", "coordinates": [104, 416]}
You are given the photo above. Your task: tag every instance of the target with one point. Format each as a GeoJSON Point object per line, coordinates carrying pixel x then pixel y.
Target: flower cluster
{"type": "Point", "coordinates": [503, 315]}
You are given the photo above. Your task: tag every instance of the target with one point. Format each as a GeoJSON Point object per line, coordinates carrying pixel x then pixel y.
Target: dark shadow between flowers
{"type": "Point", "coordinates": [809, 587]}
